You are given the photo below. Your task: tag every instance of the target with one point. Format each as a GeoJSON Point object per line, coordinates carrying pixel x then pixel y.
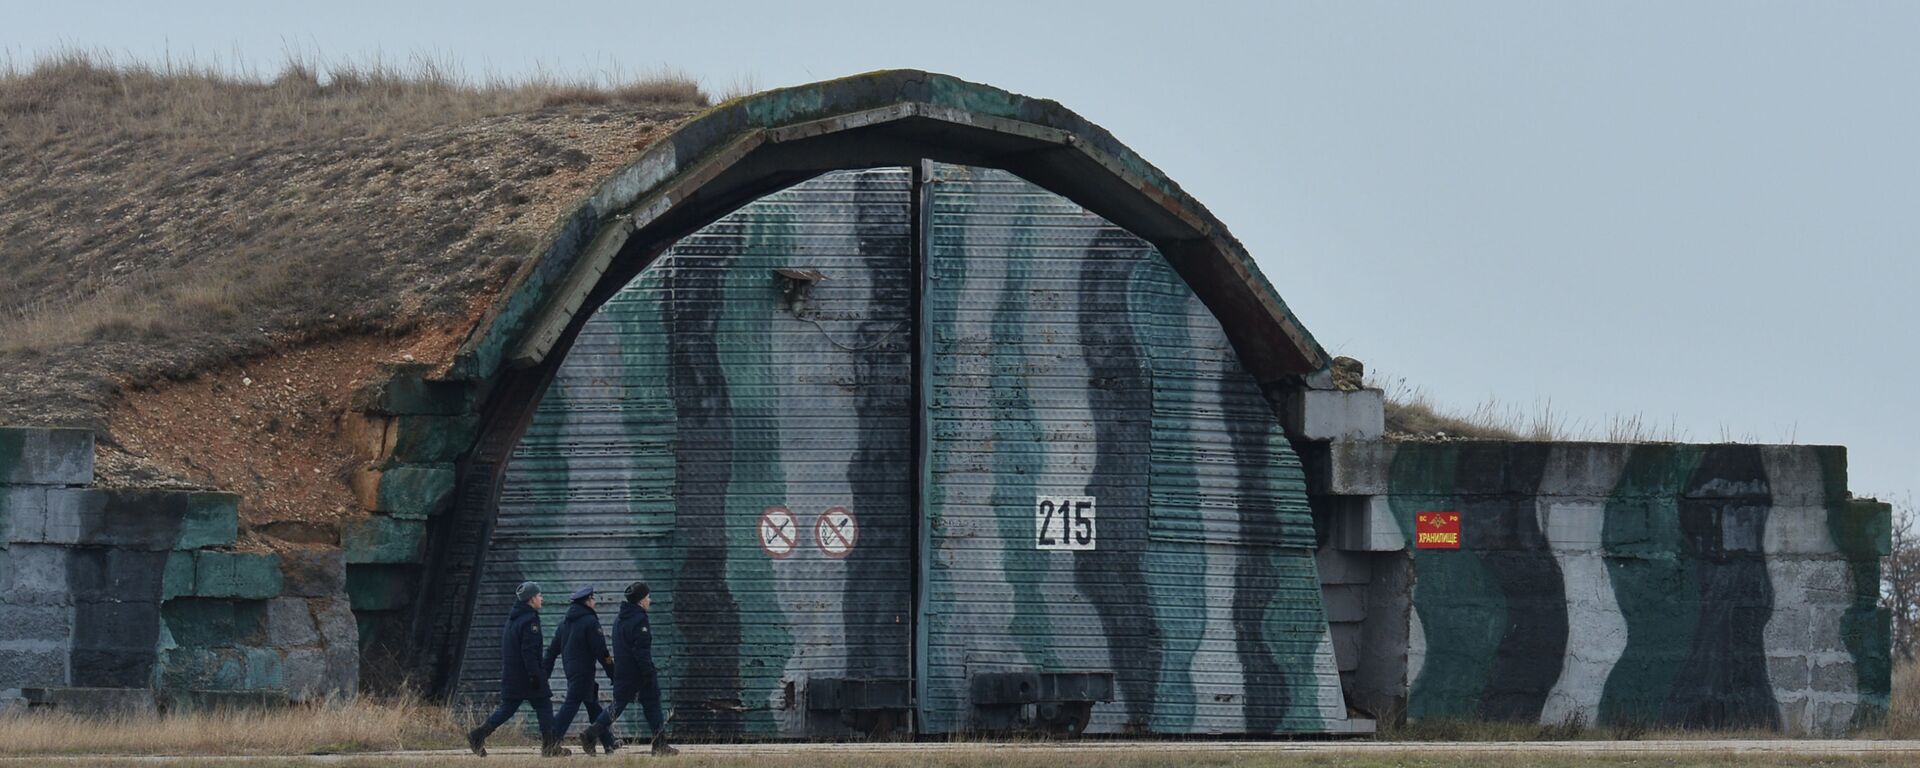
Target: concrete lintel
{"type": "Point", "coordinates": [1322, 414]}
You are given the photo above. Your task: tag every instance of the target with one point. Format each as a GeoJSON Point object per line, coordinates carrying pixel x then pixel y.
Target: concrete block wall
{"type": "Point", "coordinates": [409, 430]}
{"type": "Point", "coordinates": [139, 589]}
{"type": "Point", "coordinates": [1719, 586]}
{"type": "Point", "coordinates": [1361, 556]}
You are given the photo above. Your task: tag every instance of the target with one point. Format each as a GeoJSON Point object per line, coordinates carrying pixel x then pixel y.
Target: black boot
{"type": "Point", "coordinates": [477, 741]}
{"type": "Point", "coordinates": [551, 748]}
{"type": "Point", "coordinates": [590, 739]}
{"type": "Point", "coordinates": [661, 748]}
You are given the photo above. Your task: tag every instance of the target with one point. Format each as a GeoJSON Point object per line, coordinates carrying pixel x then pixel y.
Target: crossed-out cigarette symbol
{"type": "Point", "coordinates": [778, 532]}
{"type": "Point", "coordinates": [835, 531]}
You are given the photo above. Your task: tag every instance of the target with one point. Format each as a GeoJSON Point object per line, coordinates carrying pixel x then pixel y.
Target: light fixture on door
{"type": "Point", "coordinates": [795, 284]}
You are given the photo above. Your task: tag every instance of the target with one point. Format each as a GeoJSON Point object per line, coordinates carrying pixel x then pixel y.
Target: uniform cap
{"type": "Point", "coordinates": [581, 594]}
{"type": "Point", "coordinates": [527, 591]}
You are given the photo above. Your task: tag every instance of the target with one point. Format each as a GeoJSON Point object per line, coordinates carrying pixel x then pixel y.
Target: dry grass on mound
{"type": "Point", "coordinates": [189, 107]}
{"type": "Point", "coordinates": [120, 138]}
{"type": "Point", "coordinates": [164, 219]}
{"type": "Point", "coordinates": [1412, 413]}
{"type": "Point", "coordinates": [360, 726]}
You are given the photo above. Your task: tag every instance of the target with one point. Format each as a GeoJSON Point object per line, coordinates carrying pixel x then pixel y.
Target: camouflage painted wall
{"type": "Point", "coordinates": [753, 458]}
{"type": "Point", "coordinates": [1068, 361]}
{"type": "Point", "coordinates": [141, 589]}
{"type": "Point", "coordinates": [695, 403]}
{"type": "Point", "coordinates": [1718, 586]}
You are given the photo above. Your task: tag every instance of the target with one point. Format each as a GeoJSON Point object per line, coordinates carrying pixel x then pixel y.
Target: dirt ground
{"type": "Point", "coordinates": [268, 429]}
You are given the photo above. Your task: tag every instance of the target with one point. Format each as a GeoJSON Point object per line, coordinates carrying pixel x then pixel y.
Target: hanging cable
{"type": "Point", "coordinates": [828, 335]}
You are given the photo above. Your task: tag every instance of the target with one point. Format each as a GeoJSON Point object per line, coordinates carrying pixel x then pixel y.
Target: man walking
{"type": "Point", "coordinates": [634, 675]}
{"type": "Point", "coordinates": [523, 678]}
{"type": "Point", "coordinates": [580, 646]}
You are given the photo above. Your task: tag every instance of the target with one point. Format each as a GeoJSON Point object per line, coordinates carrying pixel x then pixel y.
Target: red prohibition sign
{"type": "Point", "coordinates": [836, 531]}
{"type": "Point", "coordinates": [779, 532]}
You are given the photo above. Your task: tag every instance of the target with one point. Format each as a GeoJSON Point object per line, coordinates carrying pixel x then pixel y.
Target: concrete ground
{"type": "Point", "coordinates": [1684, 752]}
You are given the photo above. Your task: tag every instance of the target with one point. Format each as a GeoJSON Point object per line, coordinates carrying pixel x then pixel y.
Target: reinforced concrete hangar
{"type": "Point", "coordinates": [928, 408]}
{"type": "Point", "coordinates": [924, 407]}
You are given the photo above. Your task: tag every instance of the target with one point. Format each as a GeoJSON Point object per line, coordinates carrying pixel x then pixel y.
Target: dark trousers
{"type": "Point", "coordinates": [581, 695]}
{"type": "Point", "coordinates": [542, 709]}
{"type": "Point", "coordinates": [648, 694]}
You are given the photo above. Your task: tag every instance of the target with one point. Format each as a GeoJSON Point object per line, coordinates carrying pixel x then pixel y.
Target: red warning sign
{"type": "Point", "coordinates": [1437, 530]}
{"type": "Point", "coordinates": [836, 532]}
{"type": "Point", "coordinates": [779, 532]}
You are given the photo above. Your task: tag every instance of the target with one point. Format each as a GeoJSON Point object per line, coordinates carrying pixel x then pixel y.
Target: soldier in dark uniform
{"type": "Point", "coordinates": [634, 676]}
{"type": "Point", "coordinates": [523, 677]}
{"type": "Point", "coordinates": [578, 644]}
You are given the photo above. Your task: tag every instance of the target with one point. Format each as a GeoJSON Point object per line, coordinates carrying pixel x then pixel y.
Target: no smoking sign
{"type": "Point", "coordinates": [779, 532]}
{"type": "Point", "coordinates": [836, 531]}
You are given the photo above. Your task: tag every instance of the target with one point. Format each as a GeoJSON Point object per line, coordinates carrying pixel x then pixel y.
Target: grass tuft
{"type": "Point", "coordinates": [359, 726]}
{"type": "Point", "coordinates": [1411, 412]}
{"type": "Point", "coordinates": [1903, 712]}
{"type": "Point", "coordinates": [307, 98]}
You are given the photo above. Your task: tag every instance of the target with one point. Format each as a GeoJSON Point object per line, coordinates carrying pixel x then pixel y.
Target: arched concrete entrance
{"type": "Point", "coordinates": [749, 147]}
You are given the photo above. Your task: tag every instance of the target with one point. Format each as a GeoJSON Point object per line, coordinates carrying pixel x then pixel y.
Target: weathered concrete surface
{"type": "Point", "coordinates": [382, 539]}
{"type": "Point", "coordinates": [1362, 524]}
{"type": "Point", "coordinates": [120, 590]}
{"type": "Point", "coordinates": [236, 575]}
{"type": "Point", "coordinates": [1718, 586]}
{"type": "Point", "coordinates": [212, 520]}
{"type": "Point", "coordinates": [405, 390]}
{"type": "Point", "coordinates": [1326, 414]}
{"type": "Point", "coordinates": [313, 573]}
{"type": "Point", "coordinates": [381, 587]}
{"type": "Point", "coordinates": [392, 440]}
{"type": "Point", "coordinates": [91, 702]}
{"type": "Point", "coordinates": [36, 456]}
{"type": "Point", "coordinates": [413, 492]}
{"type": "Point", "coordinates": [151, 520]}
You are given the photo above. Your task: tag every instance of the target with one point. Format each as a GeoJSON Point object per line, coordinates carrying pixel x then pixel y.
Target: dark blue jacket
{"type": "Point", "coordinates": [632, 646]}
{"type": "Point", "coordinates": [579, 645]}
{"type": "Point", "coordinates": [522, 675]}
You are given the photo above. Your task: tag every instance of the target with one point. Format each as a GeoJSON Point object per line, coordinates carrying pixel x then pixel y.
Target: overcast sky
{"type": "Point", "coordinates": [1705, 214]}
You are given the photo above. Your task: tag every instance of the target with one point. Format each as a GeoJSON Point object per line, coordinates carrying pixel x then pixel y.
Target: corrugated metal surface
{"type": "Point", "coordinates": [1063, 359]}
{"type": "Point", "coordinates": [1247, 647]}
{"type": "Point", "coordinates": [694, 402]}
{"type": "Point", "coordinates": [1067, 360]}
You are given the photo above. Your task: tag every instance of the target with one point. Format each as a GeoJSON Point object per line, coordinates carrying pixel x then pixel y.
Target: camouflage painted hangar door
{"type": "Point", "coordinates": [1107, 491]}
{"type": "Point", "coordinates": [742, 441]}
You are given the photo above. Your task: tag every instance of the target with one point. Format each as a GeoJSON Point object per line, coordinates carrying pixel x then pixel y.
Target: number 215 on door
{"type": "Point", "coordinates": [1063, 522]}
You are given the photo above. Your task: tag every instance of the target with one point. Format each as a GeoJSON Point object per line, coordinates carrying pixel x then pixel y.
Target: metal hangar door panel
{"type": "Point", "coordinates": [734, 428]}
{"type": "Point", "coordinates": [1108, 494]}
